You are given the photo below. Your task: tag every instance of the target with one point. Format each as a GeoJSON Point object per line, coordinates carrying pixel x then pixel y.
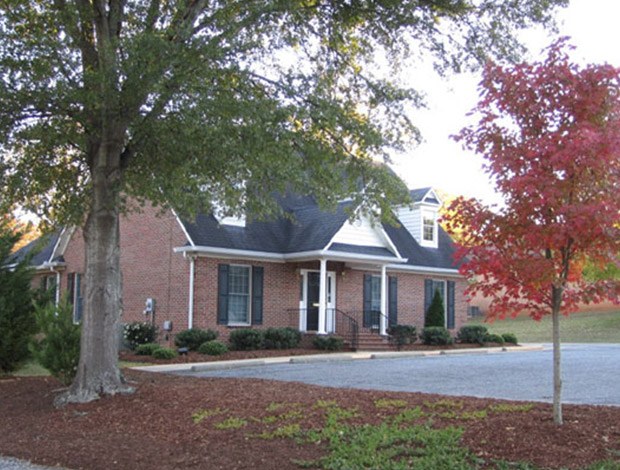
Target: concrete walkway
{"type": "Point", "coordinates": [317, 358]}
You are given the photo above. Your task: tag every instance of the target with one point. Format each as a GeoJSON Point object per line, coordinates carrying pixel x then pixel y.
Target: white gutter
{"type": "Point", "coordinates": [282, 258]}
{"type": "Point", "coordinates": [424, 270]}
{"type": "Point", "coordinates": [190, 301]}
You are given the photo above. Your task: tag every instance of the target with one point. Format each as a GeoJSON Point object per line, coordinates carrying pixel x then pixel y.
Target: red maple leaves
{"type": "Point", "coordinates": [550, 134]}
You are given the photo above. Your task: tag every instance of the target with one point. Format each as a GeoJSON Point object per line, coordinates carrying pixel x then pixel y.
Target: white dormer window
{"type": "Point", "coordinates": [429, 228]}
{"type": "Point", "coordinates": [223, 219]}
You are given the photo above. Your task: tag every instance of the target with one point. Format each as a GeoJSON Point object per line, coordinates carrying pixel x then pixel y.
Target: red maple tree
{"type": "Point", "coordinates": [550, 134]}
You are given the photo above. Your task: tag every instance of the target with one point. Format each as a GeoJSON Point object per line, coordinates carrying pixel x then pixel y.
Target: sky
{"type": "Point", "coordinates": [440, 162]}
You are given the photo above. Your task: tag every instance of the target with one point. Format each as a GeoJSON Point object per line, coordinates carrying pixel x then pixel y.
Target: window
{"type": "Point", "coordinates": [429, 229]}
{"type": "Point", "coordinates": [74, 294]}
{"type": "Point", "coordinates": [240, 295]}
{"type": "Point", "coordinates": [372, 300]}
{"type": "Point", "coordinates": [447, 291]}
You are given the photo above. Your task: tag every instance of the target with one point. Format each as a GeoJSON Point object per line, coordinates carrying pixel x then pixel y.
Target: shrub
{"type": "Point", "coordinates": [402, 334]}
{"type": "Point", "coordinates": [435, 335]}
{"type": "Point", "coordinates": [164, 353]}
{"type": "Point", "coordinates": [435, 315]}
{"type": "Point", "coordinates": [328, 343]}
{"type": "Point", "coordinates": [213, 348]}
{"type": "Point", "coordinates": [491, 338]}
{"type": "Point", "coordinates": [17, 322]}
{"type": "Point", "coordinates": [138, 333]}
{"type": "Point", "coordinates": [282, 338]}
{"type": "Point", "coordinates": [57, 348]}
{"type": "Point", "coordinates": [193, 338]}
{"type": "Point", "coordinates": [473, 334]}
{"type": "Point", "coordinates": [147, 349]}
{"type": "Point", "coordinates": [246, 339]}
{"type": "Point", "coordinates": [510, 338]}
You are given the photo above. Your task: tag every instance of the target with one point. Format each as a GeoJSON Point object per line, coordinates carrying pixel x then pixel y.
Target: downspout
{"type": "Point", "coordinates": [190, 301]}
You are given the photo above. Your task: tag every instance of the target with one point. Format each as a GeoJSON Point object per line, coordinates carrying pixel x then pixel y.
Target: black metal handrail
{"type": "Point", "coordinates": [351, 327]}
{"type": "Point", "coordinates": [344, 324]}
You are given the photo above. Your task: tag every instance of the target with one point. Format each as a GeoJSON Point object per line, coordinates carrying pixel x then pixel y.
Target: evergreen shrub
{"type": "Point", "coordinates": [57, 346]}
{"type": "Point", "coordinates": [472, 334]}
{"type": "Point", "coordinates": [213, 348]}
{"type": "Point", "coordinates": [281, 338]}
{"type": "Point", "coordinates": [247, 339]}
{"type": "Point", "coordinates": [436, 335]}
{"type": "Point", "coordinates": [193, 338]}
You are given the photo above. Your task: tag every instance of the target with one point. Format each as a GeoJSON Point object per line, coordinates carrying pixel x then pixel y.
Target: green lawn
{"type": "Point", "coordinates": [585, 327]}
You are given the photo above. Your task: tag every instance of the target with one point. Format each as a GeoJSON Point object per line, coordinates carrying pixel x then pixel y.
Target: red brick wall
{"type": "Point", "coordinates": [280, 293]}
{"type": "Point", "coordinates": [149, 266]}
{"type": "Point", "coordinates": [350, 287]}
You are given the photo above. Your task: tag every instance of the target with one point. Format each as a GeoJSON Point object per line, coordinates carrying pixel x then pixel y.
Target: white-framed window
{"type": "Point", "coordinates": [375, 293]}
{"type": "Point", "coordinates": [239, 290]}
{"type": "Point", "coordinates": [429, 228]}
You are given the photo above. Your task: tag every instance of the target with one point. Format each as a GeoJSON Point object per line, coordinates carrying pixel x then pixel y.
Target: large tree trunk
{"type": "Point", "coordinates": [557, 370]}
{"type": "Point", "coordinates": [98, 372]}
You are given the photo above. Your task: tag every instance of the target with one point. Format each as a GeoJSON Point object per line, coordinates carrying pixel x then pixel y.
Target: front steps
{"type": "Point", "coordinates": [374, 342]}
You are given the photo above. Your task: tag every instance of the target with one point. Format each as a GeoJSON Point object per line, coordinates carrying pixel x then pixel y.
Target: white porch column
{"type": "Point", "coordinates": [323, 298]}
{"type": "Point", "coordinates": [190, 300]}
{"type": "Point", "coordinates": [384, 302]}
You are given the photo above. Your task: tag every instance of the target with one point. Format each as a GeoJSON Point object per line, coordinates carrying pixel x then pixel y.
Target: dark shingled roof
{"type": "Point", "coordinates": [310, 229]}
{"type": "Point", "coordinates": [40, 249]}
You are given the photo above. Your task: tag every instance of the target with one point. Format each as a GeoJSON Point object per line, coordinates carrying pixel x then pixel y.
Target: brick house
{"type": "Point", "coordinates": [314, 271]}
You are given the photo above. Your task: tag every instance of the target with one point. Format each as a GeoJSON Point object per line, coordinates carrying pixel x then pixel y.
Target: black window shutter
{"type": "Point", "coordinates": [393, 300]}
{"type": "Point", "coordinates": [257, 295]}
{"type": "Point", "coordinates": [222, 294]}
{"type": "Point", "coordinates": [71, 288]}
{"type": "Point", "coordinates": [450, 304]}
{"type": "Point", "coordinates": [367, 301]}
{"type": "Point", "coordinates": [428, 294]}
{"type": "Point", "coordinates": [77, 312]}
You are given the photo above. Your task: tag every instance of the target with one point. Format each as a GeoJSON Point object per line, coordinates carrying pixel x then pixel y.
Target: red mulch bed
{"type": "Point", "coordinates": [153, 428]}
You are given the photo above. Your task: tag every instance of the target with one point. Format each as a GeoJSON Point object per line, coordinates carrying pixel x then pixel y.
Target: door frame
{"type": "Point", "coordinates": [330, 321]}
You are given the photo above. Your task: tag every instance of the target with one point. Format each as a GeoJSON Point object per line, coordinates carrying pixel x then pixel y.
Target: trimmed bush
{"type": "Point", "coordinates": [147, 349]}
{"type": "Point", "coordinates": [137, 333]}
{"type": "Point", "coordinates": [435, 315]}
{"type": "Point", "coordinates": [472, 334]}
{"type": "Point", "coordinates": [402, 335]}
{"type": "Point", "coordinates": [247, 339]}
{"type": "Point", "coordinates": [193, 338]}
{"type": "Point", "coordinates": [57, 348]}
{"type": "Point", "coordinates": [213, 348]}
{"type": "Point", "coordinates": [491, 338]}
{"type": "Point", "coordinates": [328, 343]}
{"type": "Point", "coordinates": [436, 335]}
{"type": "Point", "coordinates": [510, 338]}
{"type": "Point", "coordinates": [164, 353]}
{"type": "Point", "coordinates": [281, 338]}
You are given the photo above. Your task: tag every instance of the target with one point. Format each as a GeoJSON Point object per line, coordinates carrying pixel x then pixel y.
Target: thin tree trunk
{"type": "Point", "coordinates": [98, 372]}
{"type": "Point", "coordinates": [557, 370]}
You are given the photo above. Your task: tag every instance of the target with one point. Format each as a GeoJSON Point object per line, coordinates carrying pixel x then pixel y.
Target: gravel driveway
{"type": "Point", "coordinates": [591, 374]}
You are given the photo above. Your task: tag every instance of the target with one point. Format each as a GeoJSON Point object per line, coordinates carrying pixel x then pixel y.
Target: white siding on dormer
{"type": "Point", "coordinates": [412, 221]}
{"type": "Point", "coordinates": [361, 233]}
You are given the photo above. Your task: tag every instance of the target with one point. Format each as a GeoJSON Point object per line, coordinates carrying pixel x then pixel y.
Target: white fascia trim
{"type": "Point", "coordinates": [56, 245]}
{"type": "Point", "coordinates": [425, 270]}
{"type": "Point", "coordinates": [282, 258]}
{"type": "Point", "coordinates": [435, 196]}
{"type": "Point", "coordinates": [340, 256]}
{"type": "Point", "coordinates": [50, 266]}
{"type": "Point", "coordinates": [189, 239]}
{"type": "Point", "coordinates": [215, 252]}
{"type": "Point", "coordinates": [391, 243]}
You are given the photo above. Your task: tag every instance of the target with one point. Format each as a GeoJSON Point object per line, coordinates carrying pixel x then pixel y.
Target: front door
{"type": "Point", "coordinates": [312, 302]}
